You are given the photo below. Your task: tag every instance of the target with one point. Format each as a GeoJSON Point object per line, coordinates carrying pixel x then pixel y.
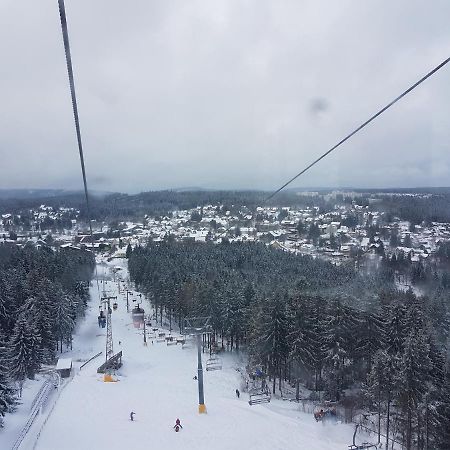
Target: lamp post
{"type": "Point", "coordinates": [128, 293]}
{"type": "Point", "coordinates": [145, 334]}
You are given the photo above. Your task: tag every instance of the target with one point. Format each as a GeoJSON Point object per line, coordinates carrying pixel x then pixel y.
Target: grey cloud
{"type": "Point", "coordinates": [223, 93]}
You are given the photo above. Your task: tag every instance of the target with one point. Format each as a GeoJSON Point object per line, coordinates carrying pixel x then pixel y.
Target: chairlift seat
{"type": "Point", "coordinates": [260, 397]}
{"type": "Point", "coordinates": [213, 363]}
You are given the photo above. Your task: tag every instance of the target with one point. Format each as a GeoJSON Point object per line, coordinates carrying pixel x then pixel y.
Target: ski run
{"type": "Point", "coordinates": [157, 383]}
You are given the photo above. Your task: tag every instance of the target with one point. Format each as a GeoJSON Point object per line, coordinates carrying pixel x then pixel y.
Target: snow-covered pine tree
{"type": "Point", "coordinates": [21, 352]}
{"type": "Point", "coordinates": [7, 392]}
{"type": "Point", "coordinates": [371, 337]}
{"type": "Point", "coordinates": [305, 335]}
{"type": "Point", "coordinates": [62, 318]}
{"type": "Point", "coordinates": [38, 311]}
{"type": "Point", "coordinates": [382, 387]}
{"type": "Point", "coordinates": [272, 328]}
{"type": "Point", "coordinates": [339, 330]}
{"type": "Point", "coordinates": [128, 251]}
{"type": "Point", "coordinates": [441, 424]}
{"type": "Point", "coordinates": [7, 306]}
{"type": "Point", "coordinates": [414, 379]}
{"type": "Point", "coordinates": [395, 328]}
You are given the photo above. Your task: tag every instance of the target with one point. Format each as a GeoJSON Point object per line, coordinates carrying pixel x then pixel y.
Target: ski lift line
{"type": "Point", "coordinates": [65, 34]}
{"type": "Point", "coordinates": [346, 138]}
{"type": "Point", "coordinates": [364, 124]}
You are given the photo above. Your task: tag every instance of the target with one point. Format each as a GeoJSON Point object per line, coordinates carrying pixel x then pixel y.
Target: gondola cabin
{"type": "Point", "coordinates": [137, 315]}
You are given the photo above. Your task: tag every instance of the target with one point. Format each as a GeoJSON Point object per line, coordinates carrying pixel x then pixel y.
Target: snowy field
{"type": "Point", "coordinates": [156, 382]}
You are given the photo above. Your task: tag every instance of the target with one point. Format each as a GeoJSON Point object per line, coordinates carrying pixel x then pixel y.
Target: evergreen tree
{"type": "Point", "coordinates": [370, 337]}
{"type": "Point", "coordinates": [382, 387]}
{"type": "Point", "coordinates": [441, 425]}
{"type": "Point", "coordinates": [272, 344]}
{"type": "Point", "coordinates": [7, 392]}
{"type": "Point", "coordinates": [305, 336]}
{"type": "Point", "coordinates": [24, 352]}
{"type": "Point", "coordinates": [395, 329]}
{"type": "Point", "coordinates": [414, 377]}
{"type": "Point", "coordinates": [63, 318]}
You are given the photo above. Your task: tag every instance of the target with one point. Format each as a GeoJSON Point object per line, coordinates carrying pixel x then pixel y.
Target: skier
{"type": "Point", "coordinates": [195, 377]}
{"type": "Point", "coordinates": [132, 415]}
{"type": "Point", "coordinates": [319, 415]}
{"type": "Point", "coordinates": [237, 393]}
{"type": "Point", "coordinates": [177, 425]}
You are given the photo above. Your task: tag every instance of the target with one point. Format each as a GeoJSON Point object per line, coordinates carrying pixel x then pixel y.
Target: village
{"type": "Point", "coordinates": [346, 233]}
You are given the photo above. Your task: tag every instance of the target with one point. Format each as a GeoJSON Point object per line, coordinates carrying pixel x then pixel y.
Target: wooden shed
{"type": "Point", "coordinates": [64, 367]}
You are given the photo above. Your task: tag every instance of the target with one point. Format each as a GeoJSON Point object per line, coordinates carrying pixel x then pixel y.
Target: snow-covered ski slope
{"type": "Point", "coordinates": [156, 382]}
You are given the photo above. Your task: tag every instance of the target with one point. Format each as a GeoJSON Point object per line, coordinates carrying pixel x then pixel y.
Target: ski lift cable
{"type": "Point", "coordinates": [364, 124]}
{"type": "Point", "coordinates": [356, 130]}
{"type": "Point", "coordinates": [65, 34]}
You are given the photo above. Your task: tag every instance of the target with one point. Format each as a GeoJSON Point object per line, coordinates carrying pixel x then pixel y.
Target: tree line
{"type": "Point", "coordinates": [42, 293]}
{"type": "Point", "coordinates": [350, 338]}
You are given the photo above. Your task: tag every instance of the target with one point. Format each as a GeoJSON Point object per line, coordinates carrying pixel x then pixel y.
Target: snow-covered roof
{"type": "Point", "coordinates": [64, 363]}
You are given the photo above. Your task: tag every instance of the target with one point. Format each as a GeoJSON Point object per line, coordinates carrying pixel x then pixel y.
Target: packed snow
{"type": "Point", "coordinates": [156, 382]}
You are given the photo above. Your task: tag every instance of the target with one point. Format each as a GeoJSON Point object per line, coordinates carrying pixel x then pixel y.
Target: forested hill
{"type": "Point", "coordinates": [41, 295]}
{"type": "Point", "coordinates": [289, 313]}
{"type": "Point", "coordinates": [432, 205]}
{"type": "Point", "coordinates": [230, 268]}
{"type": "Point", "coordinates": [118, 206]}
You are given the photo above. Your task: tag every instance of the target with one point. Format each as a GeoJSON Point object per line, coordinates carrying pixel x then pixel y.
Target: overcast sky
{"type": "Point", "coordinates": [224, 94]}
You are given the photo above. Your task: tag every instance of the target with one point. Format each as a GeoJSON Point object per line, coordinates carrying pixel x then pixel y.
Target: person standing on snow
{"type": "Point", "coordinates": [132, 415]}
{"type": "Point", "coordinates": [177, 425]}
{"type": "Point", "coordinates": [237, 393]}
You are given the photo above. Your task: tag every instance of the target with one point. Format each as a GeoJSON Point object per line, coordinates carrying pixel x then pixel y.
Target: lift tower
{"type": "Point", "coordinates": [105, 301]}
{"type": "Point", "coordinates": [197, 326]}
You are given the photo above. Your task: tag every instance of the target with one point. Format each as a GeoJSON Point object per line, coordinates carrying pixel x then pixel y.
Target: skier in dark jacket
{"type": "Point", "coordinates": [132, 415]}
{"type": "Point", "coordinates": [177, 425]}
{"type": "Point", "coordinates": [237, 393]}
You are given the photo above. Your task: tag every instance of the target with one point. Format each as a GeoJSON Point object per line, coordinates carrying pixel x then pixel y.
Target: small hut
{"type": "Point", "coordinates": [64, 367]}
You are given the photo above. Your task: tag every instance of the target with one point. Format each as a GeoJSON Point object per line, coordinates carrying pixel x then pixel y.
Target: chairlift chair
{"type": "Point", "coordinates": [363, 445]}
{"type": "Point", "coordinates": [325, 412]}
{"type": "Point", "coordinates": [213, 363]}
{"type": "Point", "coordinates": [262, 396]}
{"type": "Point", "coordinates": [161, 337]}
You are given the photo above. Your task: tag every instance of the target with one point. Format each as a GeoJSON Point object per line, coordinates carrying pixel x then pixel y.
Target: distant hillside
{"type": "Point", "coordinates": [116, 206]}
{"type": "Point", "coordinates": [30, 193]}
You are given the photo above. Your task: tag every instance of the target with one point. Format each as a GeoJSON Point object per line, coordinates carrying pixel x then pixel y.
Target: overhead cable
{"type": "Point", "coordinates": [381, 111]}
{"type": "Point", "coordinates": [62, 15]}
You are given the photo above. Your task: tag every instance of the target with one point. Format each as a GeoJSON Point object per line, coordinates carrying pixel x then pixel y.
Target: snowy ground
{"type": "Point", "coordinates": [156, 382]}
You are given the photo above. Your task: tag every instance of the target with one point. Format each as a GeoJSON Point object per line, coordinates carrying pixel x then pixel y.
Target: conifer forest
{"type": "Point", "coordinates": [348, 337]}
{"type": "Point", "coordinates": [42, 294]}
